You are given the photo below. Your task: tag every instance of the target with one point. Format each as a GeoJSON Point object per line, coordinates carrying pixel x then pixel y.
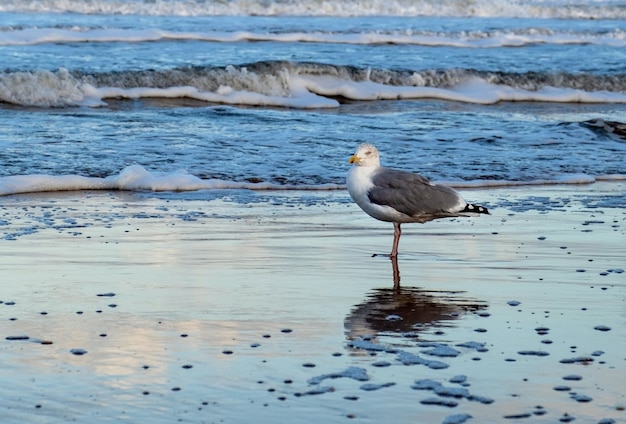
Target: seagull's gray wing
{"type": "Point", "coordinates": [413, 195]}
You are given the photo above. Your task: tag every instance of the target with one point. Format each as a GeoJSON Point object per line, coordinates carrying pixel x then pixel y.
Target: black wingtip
{"type": "Point", "coordinates": [472, 208]}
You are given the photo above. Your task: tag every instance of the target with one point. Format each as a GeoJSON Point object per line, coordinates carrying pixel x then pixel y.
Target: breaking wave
{"type": "Point", "coordinates": [466, 8]}
{"type": "Point", "coordinates": [305, 85]}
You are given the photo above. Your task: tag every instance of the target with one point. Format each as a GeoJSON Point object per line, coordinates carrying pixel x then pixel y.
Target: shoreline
{"type": "Point", "coordinates": [231, 307]}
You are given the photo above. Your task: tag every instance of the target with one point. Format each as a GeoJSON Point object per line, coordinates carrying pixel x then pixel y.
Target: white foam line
{"type": "Point", "coordinates": [32, 36]}
{"type": "Point", "coordinates": [137, 178]}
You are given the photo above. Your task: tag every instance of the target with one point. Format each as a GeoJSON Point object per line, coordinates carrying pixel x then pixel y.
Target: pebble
{"type": "Point", "coordinates": [518, 416]}
{"type": "Point", "coordinates": [439, 401]}
{"type": "Point", "coordinates": [582, 398]}
{"type": "Point", "coordinates": [533, 353]}
{"type": "Point", "coordinates": [78, 351]}
{"type": "Point", "coordinates": [579, 359]}
{"type": "Point", "coordinates": [22, 337]}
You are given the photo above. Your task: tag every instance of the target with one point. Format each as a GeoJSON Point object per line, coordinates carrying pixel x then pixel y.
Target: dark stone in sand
{"type": "Point", "coordinates": [24, 337]}
{"type": "Point", "coordinates": [572, 377]}
{"type": "Point", "coordinates": [308, 365]}
{"type": "Point", "coordinates": [533, 353]}
{"type": "Point", "coordinates": [286, 330]}
{"type": "Point", "coordinates": [187, 366]}
{"type": "Point", "coordinates": [562, 388]}
{"type": "Point", "coordinates": [438, 401]}
{"type": "Point", "coordinates": [602, 328]}
{"type": "Point", "coordinates": [78, 351]}
{"type": "Point", "coordinates": [106, 294]}
{"type": "Point", "coordinates": [580, 359]}
{"type": "Point", "coordinates": [227, 352]}
{"type": "Point", "coordinates": [514, 303]}
{"type": "Point", "coordinates": [518, 416]}
{"type": "Point", "coordinates": [582, 398]}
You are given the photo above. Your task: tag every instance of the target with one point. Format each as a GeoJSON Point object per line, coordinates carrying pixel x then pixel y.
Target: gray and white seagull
{"type": "Point", "coordinates": [401, 197]}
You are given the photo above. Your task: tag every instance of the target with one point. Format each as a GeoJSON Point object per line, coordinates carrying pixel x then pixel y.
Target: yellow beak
{"type": "Point", "coordinates": [354, 159]}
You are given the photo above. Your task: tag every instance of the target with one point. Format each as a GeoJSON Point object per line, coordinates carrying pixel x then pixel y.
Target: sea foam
{"type": "Point", "coordinates": [135, 178]}
{"type": "Point", "coordinates": [138, 178]}
{"type": "Point", "coordinates": [21, 36]}
{"type": "Point", "coordinates": [478, 8]}
{"type": "Point", "coordinates": [303, 85]}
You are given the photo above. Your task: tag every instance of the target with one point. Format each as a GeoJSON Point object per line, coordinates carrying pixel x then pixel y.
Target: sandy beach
{"type": "Point", "coordinates": [267, 307]}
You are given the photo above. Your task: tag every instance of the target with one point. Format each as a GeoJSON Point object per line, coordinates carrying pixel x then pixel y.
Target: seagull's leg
{"type": "Point", "coordinates": [396, 239]}
{"type": "Point", "coordinates": [396, 274]}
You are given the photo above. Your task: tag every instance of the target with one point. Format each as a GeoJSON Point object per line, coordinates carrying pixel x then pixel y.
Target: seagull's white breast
{"type": "Point", "coordinates": [359, 183]}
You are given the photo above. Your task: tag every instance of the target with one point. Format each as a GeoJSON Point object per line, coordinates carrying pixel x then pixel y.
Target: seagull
{"type": "Point", "coordinates": [400, 197]}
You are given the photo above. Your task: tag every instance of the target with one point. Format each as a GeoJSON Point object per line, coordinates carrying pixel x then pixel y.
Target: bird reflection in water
{"type": "Point", "coordinates": [407, 310]}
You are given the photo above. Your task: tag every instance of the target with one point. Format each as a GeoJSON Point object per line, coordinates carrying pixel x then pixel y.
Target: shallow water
{"type": "Point", "coordinates": [206, 308]}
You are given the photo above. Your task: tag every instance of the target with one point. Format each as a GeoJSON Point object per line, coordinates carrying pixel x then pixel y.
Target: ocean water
{"type": "Point", "coordinates": [187, 95]}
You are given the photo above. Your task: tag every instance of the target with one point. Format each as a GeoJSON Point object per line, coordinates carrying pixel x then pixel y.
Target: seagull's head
{"type": "Point", "coordinates": [365, 155]}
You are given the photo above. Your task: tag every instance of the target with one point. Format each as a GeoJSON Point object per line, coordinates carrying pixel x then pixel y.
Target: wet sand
{"type": "Point", "coordinates": [241, 307]}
